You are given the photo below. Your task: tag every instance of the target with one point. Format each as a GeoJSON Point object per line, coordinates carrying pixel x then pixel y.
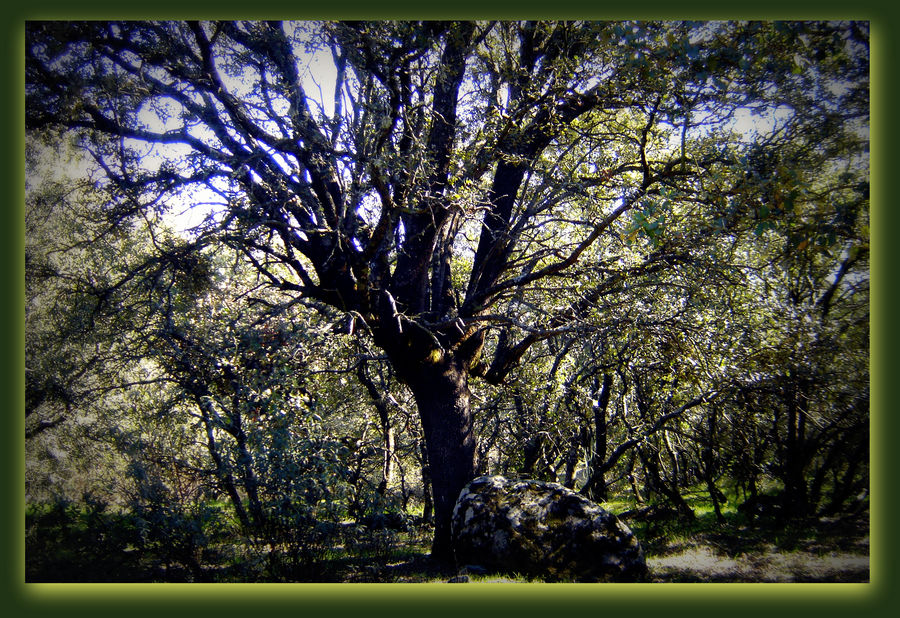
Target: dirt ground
{"type": "Point", "coordinates": [832, 551]}
{"type": "Point", "coordinates": [828, 552]}
{"type": "Point", "coordinates": [703, 564]}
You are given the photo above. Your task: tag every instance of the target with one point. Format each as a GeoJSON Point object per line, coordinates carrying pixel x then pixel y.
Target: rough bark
{"type": "Point", "coordinates": [225, 477]}
{"type": "Point", "coordinates": [427, 502]}
{"type": "Point", "coordinates": [442, 396]}
{"type": "Point", "coordinates": [795, 494]}
{"type": "Point", "coordinates": [380, 401]}
{"type": "Point", "coordinates": [709, 465]}
{"type": "Point", "coordinates": [595, 487]}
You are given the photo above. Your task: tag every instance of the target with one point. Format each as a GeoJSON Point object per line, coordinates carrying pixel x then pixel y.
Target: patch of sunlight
{"type": "Point", "coordinates": [775, 566]}
{"type": "Point", "coordinates": [696, 560]}
{"type": "Point", "coordinates": [703, 564]}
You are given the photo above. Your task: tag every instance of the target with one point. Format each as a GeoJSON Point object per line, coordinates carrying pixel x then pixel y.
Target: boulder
{"type": "Point", "coordinates": [542, 530]}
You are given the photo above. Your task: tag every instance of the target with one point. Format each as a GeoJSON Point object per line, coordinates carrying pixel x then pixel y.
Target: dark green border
{"type": "Point", "coordinates": [454, 9]}
{"type": "Point", "coordinates": [433, 600]}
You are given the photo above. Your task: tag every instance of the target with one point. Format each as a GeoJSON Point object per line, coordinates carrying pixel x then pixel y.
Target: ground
{"type": "Point", "coordinates": [711, 558]}
{"type": "Point", "coordinates": [821, 551]}
{"type": "Point", "coordinates": [71, 544]}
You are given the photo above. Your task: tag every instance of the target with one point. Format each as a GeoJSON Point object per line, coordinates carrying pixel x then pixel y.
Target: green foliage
{"type": "Point", "coordinates": [80, 542]}
{"type": "Point", "coordinates": [649, 221]}
{"type": "Point", "coordinates": [645, 244]}
{"type": "Point", "coordinates": [168, 528]}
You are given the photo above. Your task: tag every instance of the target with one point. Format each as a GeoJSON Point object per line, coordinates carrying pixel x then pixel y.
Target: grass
{"type": "Point", "coordinates": [87, 542]}
{"type": "Point", "coordinates": [742, 550]}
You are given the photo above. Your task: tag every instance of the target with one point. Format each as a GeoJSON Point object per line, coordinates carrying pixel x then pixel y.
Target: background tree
{"type": "Point", "coordinates": [187, 382]}
{"type": "Point", "coordinates": [451, 194]}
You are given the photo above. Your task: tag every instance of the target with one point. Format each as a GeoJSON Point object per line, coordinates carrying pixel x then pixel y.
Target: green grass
{"type": "Point", "coordinates": [67, 542]}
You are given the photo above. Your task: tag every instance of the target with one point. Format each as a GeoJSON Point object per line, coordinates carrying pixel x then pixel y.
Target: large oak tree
{"type": "Point", "coordinates": [451, 177]}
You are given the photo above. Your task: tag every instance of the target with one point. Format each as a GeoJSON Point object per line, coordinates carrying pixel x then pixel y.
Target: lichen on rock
{"type": "Point", "coordinates": [542, 530]}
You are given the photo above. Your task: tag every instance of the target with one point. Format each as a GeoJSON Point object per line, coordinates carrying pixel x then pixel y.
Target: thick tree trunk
{"type": "Point", "coordinates": [427, 502]}
{"type": "Point", "coordinates": [442, 397]}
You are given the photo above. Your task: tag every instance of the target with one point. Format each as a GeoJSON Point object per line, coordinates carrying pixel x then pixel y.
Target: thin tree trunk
{"type": "Point", "coordinates": [387, 474]}
{"type": "Point", "coordinates": [845, 487]}
{"type": "Point", "coordinates": [572, 458]}
{"type": "Point", "coordinates": [534, 442]}
{"type": "Point", "coordinates": [632, 480]}
{"type": "Point", "coordinates": [795, 495]}
{"type": "Point", "coordinates": [673, 457]}
{"type": "Point", "coordinates": [380, 401]}
{"type": "Point", "coordinates": [709, 465]}
{"type": "Point", "coordinates": [652, 467]}
{"type": "Point", "coordinates": [595, 487]}
{"type": "Point", "coordinates": [222, 472]}
{"type": "Point", "coordinates": [251, 482]}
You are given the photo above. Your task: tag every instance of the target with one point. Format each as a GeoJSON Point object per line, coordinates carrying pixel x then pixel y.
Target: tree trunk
{"type": "Point", "coordinates": [442, 396]}
{"type": "Point", "coordinates": [709, 465]}
{"type": "Point", "coordinates": [662, 486]}
{"type": "Point", "coordinates": [387, 469]}
{"type": "Point", "coordinates": [795, 494]}
{"type": "Point", "coordinates": [427, 502]}
{"type": "Point", "coordinates": [224, 476]}
{"type": "Point", "coordinates": [635, 490]}
{"type": "Point", "coordinates": [572, 458]}
{"type": "Point", "coordinates": [533, 443]}
{"type": "Point", "coordinates": [251, 482]}
{"type": "Point", "coordinates": [380, 401]}
{"type": "Point", "coordinates": [595, 488]}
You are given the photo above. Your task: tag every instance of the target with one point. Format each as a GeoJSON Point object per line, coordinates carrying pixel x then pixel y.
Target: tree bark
{"type": "Point", "coordinates": [595, 487]}
{"type": "Point", "coordinates": [442, 396]}
{"type": "Point", "coordinates": [427, 502]}
{"type": "Point", "coordinates": [795, 494]}
{"type": "Point", "coordinates": [651, 461]}
{"type": "Point", "coordinates": [224, 476]}
{"type": "Point", "coordinates": [251, 482]}
{"type": "Point", "coordinates": [380, 401]}
{"type": "Point", "coordinates": [575, 443]}
{"type": "Point", "coordinates": [709, 464]}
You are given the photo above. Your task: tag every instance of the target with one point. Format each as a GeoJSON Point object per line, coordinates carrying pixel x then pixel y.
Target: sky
{"type": "Point", "coordinates": [318, 79]}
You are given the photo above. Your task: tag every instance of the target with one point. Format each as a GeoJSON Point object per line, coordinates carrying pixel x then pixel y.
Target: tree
{"type": "Point", "coordinates": [450, 192]}
{"type": "Point", "coordinates": [68, 345]}
{"type": "Point", "coordinates": [81, 354]}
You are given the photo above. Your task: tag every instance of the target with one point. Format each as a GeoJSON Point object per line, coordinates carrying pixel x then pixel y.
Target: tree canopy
{"type": "Point", "coordinates": [683, 203]}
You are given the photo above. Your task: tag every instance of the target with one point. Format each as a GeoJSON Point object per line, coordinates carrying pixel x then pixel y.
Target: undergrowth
{"type": "Point", "coordinates": [92, 542]}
